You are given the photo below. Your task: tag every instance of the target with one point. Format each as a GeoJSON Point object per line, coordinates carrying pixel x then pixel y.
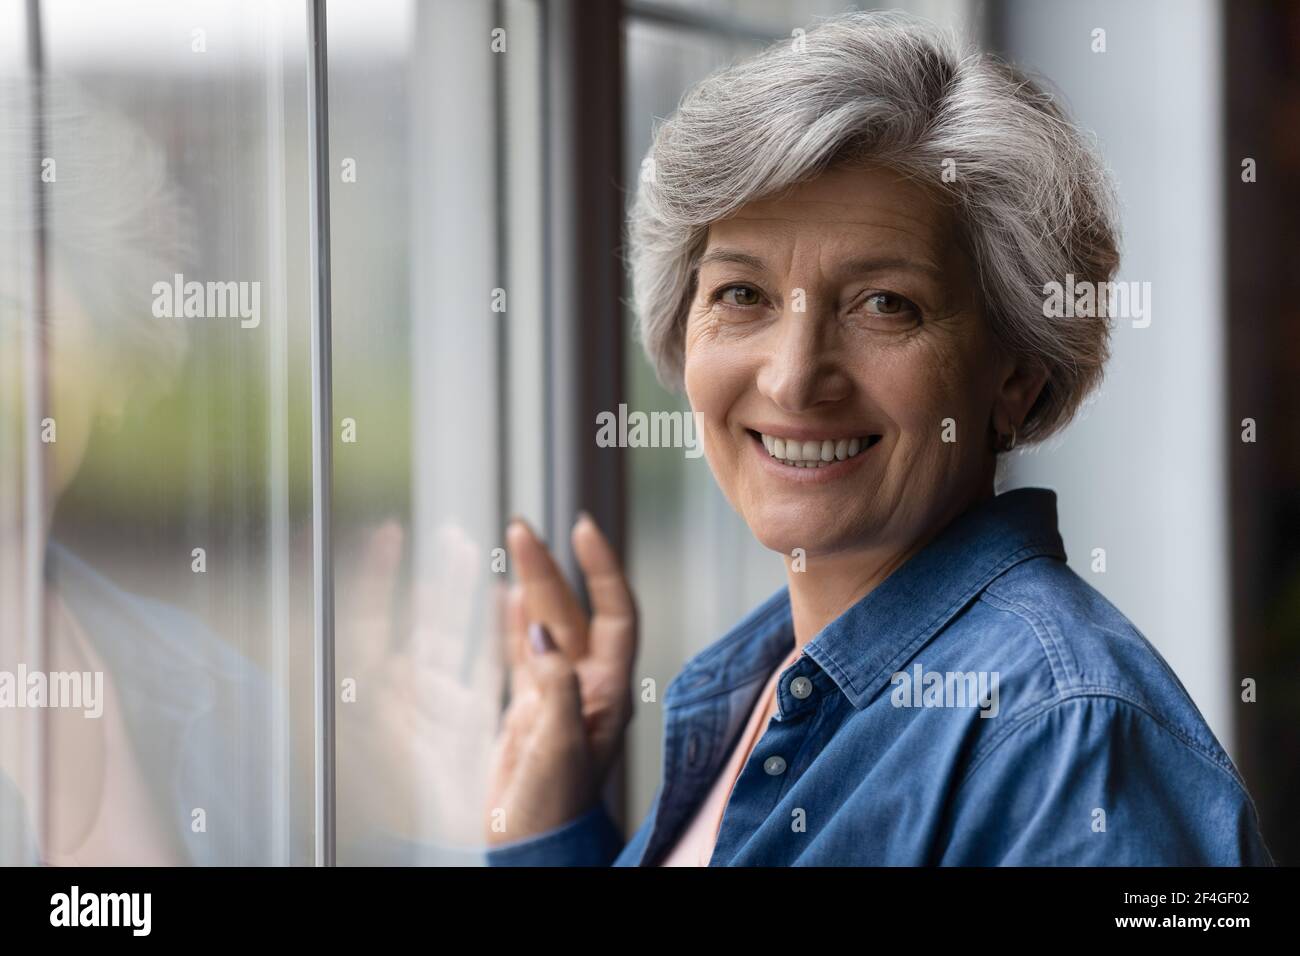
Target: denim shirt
{"type": "Point", "coordinates": [982, 706]}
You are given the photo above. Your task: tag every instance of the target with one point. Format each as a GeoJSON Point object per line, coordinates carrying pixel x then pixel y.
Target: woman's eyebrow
{"type": "Point", "coordinates": [733, 256]}
{"type": "Point", "coordinates": [860, 266]}
{"type": "Point", "coordinates": [873, 264]}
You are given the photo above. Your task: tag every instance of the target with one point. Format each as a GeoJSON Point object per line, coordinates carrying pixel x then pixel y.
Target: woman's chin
{"type": "Point", "coordinates": [806, 537]}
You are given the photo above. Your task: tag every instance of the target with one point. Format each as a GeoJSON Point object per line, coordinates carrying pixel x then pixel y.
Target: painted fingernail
{"type": "Point", "coordinates": [540, 638]}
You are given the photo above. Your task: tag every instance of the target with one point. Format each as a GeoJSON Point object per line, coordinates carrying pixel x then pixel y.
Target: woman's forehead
{"type": "Point", "coordinates": [844, 206]}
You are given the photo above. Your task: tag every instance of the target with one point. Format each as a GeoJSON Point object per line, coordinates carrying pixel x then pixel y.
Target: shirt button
{"type": "Point", "coordinates": [775, 766]}
{"type": "Point", "coordinates": [801, 687]}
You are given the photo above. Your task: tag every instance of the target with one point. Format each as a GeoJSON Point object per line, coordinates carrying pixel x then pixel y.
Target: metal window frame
{"type": "Point", "coordinates": [35, 402]}
{"type": "Point", "coordinates": [322, 432]}
{"type": "Point", "coordinates": [583, 54]}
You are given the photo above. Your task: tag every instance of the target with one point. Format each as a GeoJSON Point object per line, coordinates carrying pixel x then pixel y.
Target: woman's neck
{"type": "Point", "coordinates": [827, 585]}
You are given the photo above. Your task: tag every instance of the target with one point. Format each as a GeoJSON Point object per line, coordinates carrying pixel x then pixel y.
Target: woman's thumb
{"type": "Point", "coordinates": [555, 679]}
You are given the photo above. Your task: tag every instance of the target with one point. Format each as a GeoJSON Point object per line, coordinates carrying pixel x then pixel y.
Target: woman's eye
{"type": "Point", "coordinates": [886, 303]}
{"type": "Point", "coordinates": [741, 295]}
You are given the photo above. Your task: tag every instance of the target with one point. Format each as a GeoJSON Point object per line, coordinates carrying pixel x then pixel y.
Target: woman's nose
{"type": "Point", "coordinates": [803, 366]}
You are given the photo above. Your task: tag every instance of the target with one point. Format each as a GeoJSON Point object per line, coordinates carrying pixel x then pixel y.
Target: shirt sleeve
{"type": "Point", "coordinates": [592, 839]}
{"type": "Point", "coordinates": [1098, 781]}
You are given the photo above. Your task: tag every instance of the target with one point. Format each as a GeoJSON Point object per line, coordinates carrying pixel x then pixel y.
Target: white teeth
{"type": "Point", "coordinates": [812, 454]}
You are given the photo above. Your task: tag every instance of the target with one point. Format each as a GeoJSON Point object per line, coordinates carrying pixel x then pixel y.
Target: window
{"type": "Point", "coordinates": [156, 472]}
{"type": "Point", "coordinates": [156, 435]}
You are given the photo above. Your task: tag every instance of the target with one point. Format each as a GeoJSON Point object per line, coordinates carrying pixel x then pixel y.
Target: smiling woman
{"type": "Point", "coordinates": [839, 258]}
{"type": "Point", "coordinates": [886, 350]}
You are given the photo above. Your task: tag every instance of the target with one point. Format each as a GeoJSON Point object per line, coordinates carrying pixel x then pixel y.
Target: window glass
{"type": "Point", "coordinates": [436, 142]}
{"type": "Point", "coordinates": [155, 486]}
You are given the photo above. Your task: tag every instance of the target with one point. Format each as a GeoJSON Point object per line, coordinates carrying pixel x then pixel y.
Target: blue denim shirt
{"type": "Point", "coordinates": [982, 706]}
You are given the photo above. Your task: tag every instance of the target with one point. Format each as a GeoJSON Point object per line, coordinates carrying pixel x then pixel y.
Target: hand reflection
{"type": "Point", "coordinates": [415, 744]}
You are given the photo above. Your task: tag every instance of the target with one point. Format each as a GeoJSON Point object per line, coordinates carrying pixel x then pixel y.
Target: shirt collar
{"type": "Point", "coordinates": [881, 632]}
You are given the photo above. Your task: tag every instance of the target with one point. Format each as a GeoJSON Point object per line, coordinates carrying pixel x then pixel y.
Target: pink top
{"type": "Point", "coordinates": [695, 845]}
{"type": "Point", "coordinates": [126, 830]}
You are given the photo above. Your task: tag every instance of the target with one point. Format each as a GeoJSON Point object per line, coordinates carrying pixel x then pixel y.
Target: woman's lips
{"type": "Point", "coordinates": [818, 471]}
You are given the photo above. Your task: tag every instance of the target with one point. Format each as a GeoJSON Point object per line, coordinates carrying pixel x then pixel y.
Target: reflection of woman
{"type": "Point", "coordinates": [121, 788]}
{"type": "Point", "coordinates": [179, 768]}
{"type": "Point", "coordinates": [840, 255]}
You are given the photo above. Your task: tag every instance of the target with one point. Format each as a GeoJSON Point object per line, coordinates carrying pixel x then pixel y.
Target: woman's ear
{"type": "Point", "coordinates": [1021, 383]}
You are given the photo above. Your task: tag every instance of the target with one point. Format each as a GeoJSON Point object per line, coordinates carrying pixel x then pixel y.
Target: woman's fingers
{"type": "Point", "coordinates": [612, 634]}
{"type": "Point", "coordinates": [550, 767]}
{"type": "Point", "coordinates": [557, 716]}
{"type": "Point", "coordinates": [555, 778]}
{"type": "Point", "coordinates": [548, 598]}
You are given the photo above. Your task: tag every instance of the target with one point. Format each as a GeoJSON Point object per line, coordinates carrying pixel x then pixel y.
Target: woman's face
{"type": "Point", "coordinates": [843, 317]}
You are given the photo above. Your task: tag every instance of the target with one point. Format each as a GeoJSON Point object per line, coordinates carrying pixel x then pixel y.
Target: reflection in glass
{"type": "Point", "coordinates": [160, 615]}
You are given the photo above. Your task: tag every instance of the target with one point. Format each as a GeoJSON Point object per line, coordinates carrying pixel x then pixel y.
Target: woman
{"type": "Point", "coordinates": [841, 255]}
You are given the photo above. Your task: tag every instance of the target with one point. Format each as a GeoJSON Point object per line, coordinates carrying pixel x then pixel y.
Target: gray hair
{"type": "Point", "coordinates": [1032, 198]}
{"type": "Point", "coordinates": [115, 223]}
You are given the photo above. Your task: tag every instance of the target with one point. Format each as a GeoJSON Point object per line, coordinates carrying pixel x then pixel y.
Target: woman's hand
{"type": "Point", "coordinates": [570, 685]}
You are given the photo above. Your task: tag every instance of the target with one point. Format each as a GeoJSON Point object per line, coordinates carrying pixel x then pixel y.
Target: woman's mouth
{"type": "Point", "coordinates": [816, 454]}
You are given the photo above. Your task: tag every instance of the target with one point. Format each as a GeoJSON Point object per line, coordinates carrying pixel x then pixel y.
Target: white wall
{"type": "Point", "coordinates": [1143, 474]}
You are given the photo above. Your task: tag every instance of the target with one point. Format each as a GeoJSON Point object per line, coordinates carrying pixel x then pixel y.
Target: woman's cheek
{"type": "Point", "coordinates": [923, 390]}
{"type": "Point", "coordinates": [711, 385]}
{"type": "Point", "coordinates": [714, 385]}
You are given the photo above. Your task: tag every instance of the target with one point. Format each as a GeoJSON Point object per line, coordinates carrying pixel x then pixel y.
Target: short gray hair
{"type": "Point", "coordinates": [115, 223]}
{"type": "Point", "coordinates": [1031, 195]}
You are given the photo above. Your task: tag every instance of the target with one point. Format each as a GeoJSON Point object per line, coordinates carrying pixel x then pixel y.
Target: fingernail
{"type": "Point", "coordinates": [540, 638]}
{"type": "Point", "coordinates": [585, 516]}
